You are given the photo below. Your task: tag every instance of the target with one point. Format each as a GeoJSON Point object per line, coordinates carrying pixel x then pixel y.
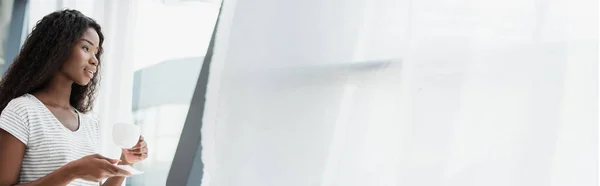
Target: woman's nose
{"type": "Point", "coordinates": [94, 60]}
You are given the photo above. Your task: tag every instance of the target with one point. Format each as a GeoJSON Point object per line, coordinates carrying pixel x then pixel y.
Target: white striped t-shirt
{"type": "Point", "coordinates": [49, 144]}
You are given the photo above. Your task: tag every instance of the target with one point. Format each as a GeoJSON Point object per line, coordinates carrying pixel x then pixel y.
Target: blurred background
{"type": "Point", "coordinates": [348, 92]}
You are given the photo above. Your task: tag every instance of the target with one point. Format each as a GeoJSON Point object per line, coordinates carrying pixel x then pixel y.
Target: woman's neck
{"type": "Point", "coordinates": [57, 92]}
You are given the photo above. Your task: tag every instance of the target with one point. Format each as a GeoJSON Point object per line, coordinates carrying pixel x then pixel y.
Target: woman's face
{"type": "Point", "coordinates": [82, 65]}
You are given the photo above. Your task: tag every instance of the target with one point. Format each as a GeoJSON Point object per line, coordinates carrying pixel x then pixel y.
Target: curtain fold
{"type": "Point", "coordinates": [114, 101]}
{"type": "Point", "coordinates": [466, 93]}
{"type": "Point", "coordinates": [6, 7]}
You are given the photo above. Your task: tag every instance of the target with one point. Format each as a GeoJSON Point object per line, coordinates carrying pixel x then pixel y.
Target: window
{"type": "Point", "coordinates": [171, 40]}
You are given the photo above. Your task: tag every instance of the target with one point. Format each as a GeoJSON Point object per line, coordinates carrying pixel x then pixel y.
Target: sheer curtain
{"type": "Point", "coordinates": [400, 92]}
{"type": "Point", "coordinates": [6, 7]}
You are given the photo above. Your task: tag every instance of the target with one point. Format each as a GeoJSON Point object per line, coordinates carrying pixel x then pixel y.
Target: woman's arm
{"type": "Point", "coordinates": [114, 181]}
{"type": "Point", "coordinates": [91, 168]}
{"type": "Point", "coordinates": [11, 155]}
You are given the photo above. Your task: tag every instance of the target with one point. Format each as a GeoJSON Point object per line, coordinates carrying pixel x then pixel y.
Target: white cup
{"type": "Point", "coordinates": [126, 135]}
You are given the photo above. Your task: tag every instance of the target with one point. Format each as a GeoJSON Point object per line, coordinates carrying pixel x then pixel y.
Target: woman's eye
{"type": "Point", "coordinates": [86, 48]}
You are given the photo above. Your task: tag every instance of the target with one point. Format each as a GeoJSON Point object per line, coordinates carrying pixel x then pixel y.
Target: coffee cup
{"type": "Point", "coordinates": [126, 135]}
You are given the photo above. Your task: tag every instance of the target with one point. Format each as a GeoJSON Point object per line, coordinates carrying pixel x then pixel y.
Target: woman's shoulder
{"type": "Point", "coordinates": [23, 102]}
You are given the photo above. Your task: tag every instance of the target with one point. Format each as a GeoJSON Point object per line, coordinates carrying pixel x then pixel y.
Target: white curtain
{"type": "Point", "coordinates": [6, 7]}
{"type": "Point", "coordinates": [114, 101]}
{"type": "Point", "coordinates": [401, 92]}
{"type": "Point", "coordinates": [117, 19]}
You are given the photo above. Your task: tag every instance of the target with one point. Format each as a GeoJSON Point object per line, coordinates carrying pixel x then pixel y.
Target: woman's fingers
{"type": "Point", "coordinates": [141, 144]}
{"type": "Point", "coordinates": [139, 151]}
{"type": "Point", "coordinates": [112, 161]}
{"type": "Point", "coordinates": [113, 170]}
{"type": "Point", "coordinates": [121, 172]}
{"type": "Point", "coordinates": [142, 156]}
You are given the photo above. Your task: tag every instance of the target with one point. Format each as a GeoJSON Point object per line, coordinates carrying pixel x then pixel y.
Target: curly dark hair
{"type": "Point", "coordinates": [43, 54]}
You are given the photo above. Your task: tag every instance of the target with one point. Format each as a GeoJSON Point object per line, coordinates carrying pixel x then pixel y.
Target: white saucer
{"type": "Point", "coordinates": [130, 169]}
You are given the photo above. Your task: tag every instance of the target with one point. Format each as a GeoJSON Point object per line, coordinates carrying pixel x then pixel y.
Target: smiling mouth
{"type": "Point", "coordinates": [90, 72]}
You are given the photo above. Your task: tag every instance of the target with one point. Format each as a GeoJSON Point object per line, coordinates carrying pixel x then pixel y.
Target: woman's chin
{"type": "Point", "coordinates": [83, 82]}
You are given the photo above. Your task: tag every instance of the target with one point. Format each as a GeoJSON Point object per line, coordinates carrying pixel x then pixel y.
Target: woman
{"type": "Point", "coordinates": [46, 137]}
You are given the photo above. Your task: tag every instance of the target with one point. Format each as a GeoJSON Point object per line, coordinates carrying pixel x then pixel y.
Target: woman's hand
{"type": "Point", "coordinates": [95, 168]}
{"type": "Point", "coordinates": [135, 154]}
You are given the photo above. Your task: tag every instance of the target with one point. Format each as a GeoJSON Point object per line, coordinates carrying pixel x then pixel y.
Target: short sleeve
{"type": "Point", "coordinates": [12, 120]}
